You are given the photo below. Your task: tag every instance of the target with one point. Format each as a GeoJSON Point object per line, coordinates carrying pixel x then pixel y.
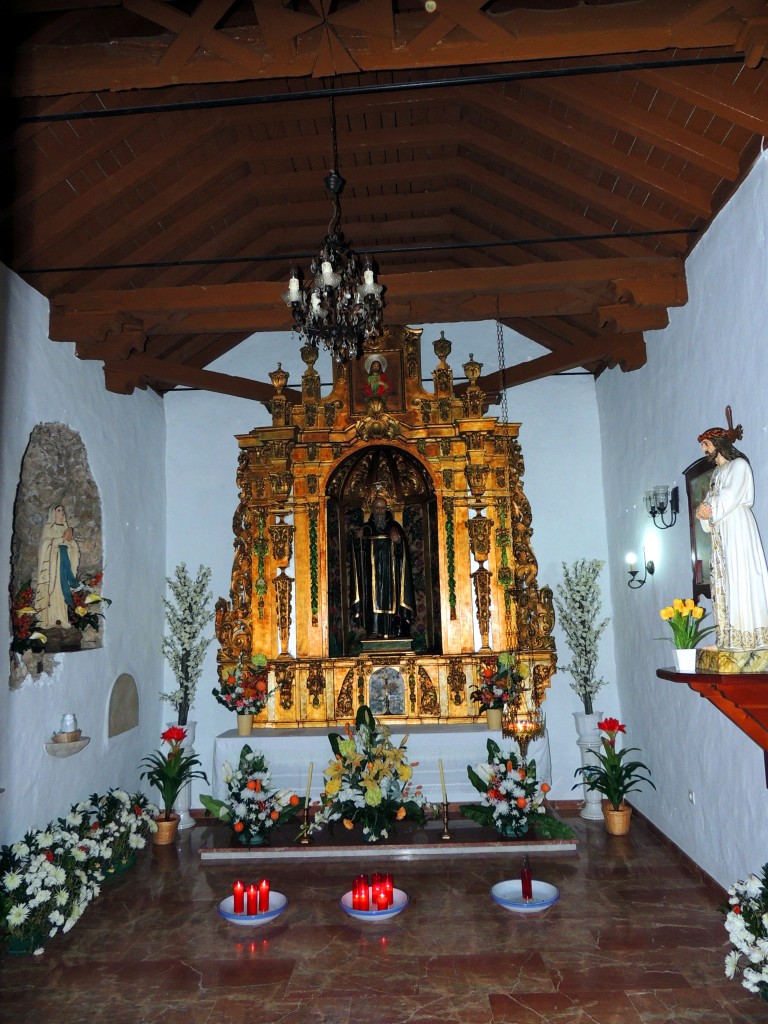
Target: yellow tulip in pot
{"type": "Point", "coordinates": [614, 777]}
{"type": "Point", "coordinates": [169, 773]}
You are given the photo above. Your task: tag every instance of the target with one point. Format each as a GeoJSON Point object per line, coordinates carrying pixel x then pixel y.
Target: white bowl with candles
{"type": "Point", "coordinates": [277, 904]}
{"type": "Point", "coordinates": [398, 905]}
{"type": "Point", "coordinates": [509, 895]}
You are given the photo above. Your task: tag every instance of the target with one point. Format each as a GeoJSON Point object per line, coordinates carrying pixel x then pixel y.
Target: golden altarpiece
{"type": "Point", "coordinates": [452, 478]}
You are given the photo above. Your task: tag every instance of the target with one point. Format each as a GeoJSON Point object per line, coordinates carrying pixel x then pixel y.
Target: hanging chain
{"type": "Point", "coordinates": [334, 143]}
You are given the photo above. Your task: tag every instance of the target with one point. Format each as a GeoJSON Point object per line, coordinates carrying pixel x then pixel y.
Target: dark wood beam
{"type": "Point", "coordinates": [139, 371]}
{"type": "Point", "coordinates": [279, 41]}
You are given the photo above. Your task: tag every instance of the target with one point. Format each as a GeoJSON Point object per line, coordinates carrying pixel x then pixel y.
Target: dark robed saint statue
{"type": "Point", "coordinates": [382, 600]}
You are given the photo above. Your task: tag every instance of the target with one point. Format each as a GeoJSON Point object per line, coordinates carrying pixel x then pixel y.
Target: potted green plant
{"type": "Point", "coordinates": [613, 776]}
{"type": "Point", "coordinates": [169, 773]}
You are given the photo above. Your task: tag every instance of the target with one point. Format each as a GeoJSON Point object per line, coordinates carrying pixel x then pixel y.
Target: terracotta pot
{"type": "Point", "coordinates": [166, 830]}
{"type": "Point", "coordinates": [493, 718]}
{"type": "Point", "coordinates": [617, 821]}
{"type": "Point", "coordinates": [244, 725]}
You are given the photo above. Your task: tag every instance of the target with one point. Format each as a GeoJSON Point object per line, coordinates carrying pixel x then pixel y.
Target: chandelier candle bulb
{"type": "Point", "coordinates": [238, 905]}
{"type": "Point", "coordinates": [442, 780]}
{"type": "Point", "coordinates": [263, 896]}
{"type": "Point", "coordinates": [252, 901]}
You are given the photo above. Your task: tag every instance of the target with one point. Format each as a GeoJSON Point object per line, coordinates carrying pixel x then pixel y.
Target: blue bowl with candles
{"type": "Point", "coordinates": [399, 903]}
{"type": "Point", "coordinates": [509, 895]}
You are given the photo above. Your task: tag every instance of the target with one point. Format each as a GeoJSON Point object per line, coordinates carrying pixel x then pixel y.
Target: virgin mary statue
{"type": "Point", "coordinates": [58, 559]}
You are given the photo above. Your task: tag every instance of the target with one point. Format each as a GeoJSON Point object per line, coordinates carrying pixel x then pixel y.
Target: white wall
{"type": "Point", "coordinates": [711, 355]}
{"type": "Point", "coordinates": [563, 482]}
{"type": "Point", "coordinates": [42, 381]}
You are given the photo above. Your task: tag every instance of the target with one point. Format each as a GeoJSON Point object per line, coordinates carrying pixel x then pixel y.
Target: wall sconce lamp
{"type": "Point", "coordinates": [658, 500]}
{"type": "Point", "coordinates": [649, 569]}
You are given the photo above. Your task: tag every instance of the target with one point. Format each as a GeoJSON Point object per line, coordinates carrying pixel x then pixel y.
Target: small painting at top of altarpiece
{"type": "Point", "coordinates": [377, 375]}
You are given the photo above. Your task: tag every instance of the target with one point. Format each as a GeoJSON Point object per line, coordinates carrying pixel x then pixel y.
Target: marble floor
{"type": "Point", "coordinates": [635, 937]}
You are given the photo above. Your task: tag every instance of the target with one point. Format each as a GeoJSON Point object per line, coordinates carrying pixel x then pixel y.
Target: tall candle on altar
{"type": "Point", "coordinates": [309, 784]}
{"type": "Point", "coordinates": [263, 895]}
{"type": "Point", "coordinates": [442, 780]}
{"type": "Point", "coordinates": [238, 898]}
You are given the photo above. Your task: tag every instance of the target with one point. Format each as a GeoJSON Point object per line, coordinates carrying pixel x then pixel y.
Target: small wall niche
{"type": "Point", "coordinates": [123, 706]}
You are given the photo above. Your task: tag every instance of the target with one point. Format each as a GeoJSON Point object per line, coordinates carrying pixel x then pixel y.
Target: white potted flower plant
{"type": "Point", "coordinates": [184, 647]}
{"type": "Point", "coordinates": [578, 606]}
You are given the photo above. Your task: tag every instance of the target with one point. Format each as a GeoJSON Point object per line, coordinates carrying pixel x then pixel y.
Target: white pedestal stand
{"type": "Point", "coordinates": [589, 742]}
{"type": "Point", "coordinates": [184, 799]}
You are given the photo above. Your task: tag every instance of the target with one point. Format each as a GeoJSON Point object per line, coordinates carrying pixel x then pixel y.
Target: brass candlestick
{"type": "Point", "coordinates": [305, 840]}
{"type": "Point", "coordinates": [446, 834]}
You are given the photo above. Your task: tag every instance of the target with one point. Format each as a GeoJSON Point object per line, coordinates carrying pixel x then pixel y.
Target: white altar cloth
{"type": "Point", "coordinates": [290, 751]}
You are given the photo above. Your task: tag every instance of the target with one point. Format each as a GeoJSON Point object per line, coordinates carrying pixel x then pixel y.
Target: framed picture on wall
{"type": "Point", "coordinates": [697, 479]}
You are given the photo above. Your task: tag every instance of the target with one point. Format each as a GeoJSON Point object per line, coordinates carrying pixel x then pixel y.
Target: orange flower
{"type": "Point", "coordinates": [545, 787]}
{"type": "Point", "coordinates": [521, 802]}
{"type": "Point", "coordinates": [521, 772]}
{"type": "Point", "coordinates": [274, 815]}
{"type": "Point", "coordinates": [251, 784]}
{"type": "Point", "coordinates": [238, 826]}
{"type": "Point", "coordinates": [510, 766]}
{"type": "Point", "coordinates": [294, 800]}
{"type": "Point", "coordinates": [348, 824]}
{"type": "Point", "coordinates": [400, 813]}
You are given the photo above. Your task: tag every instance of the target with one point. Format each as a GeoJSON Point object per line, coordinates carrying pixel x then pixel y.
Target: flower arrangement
{"type": "Point", "coordinates": [121, 823]}
{"type": "Point", "coordinates": [509, 789]}
{"type": "Point", "coordinates": [613, 776]}
{"type": "Point", "coordinates": [254, 807]}
{"type": "Point", "coordinates": [246, 690]}
{"type": "Point", "coordinates": [26, 634]}
{"type": "Point", "coordinates": [170, 772]}
{"type": "Point", "coordinates": [184, 647]}
{"type": "Point", "coordinates": [85, 597]}
{"type": "Point", "coordinates": [499, 679]}
{"type": "Point", "coordinates": [746, 922]}
{"type": "Point", "coordinates": [368, 782]}
{"type": "Point", "coordinates": [685, 618]}
{"type": "Point", "coordinates": [49, 877]}
{"type": "Point", "coordinates": [578, 605]}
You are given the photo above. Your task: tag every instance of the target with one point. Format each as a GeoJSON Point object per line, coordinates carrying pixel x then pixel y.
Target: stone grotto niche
{"type": "Point", "coordinates": [56, 554]}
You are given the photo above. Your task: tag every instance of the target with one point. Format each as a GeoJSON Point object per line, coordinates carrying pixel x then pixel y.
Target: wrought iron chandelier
{"type": "Point", "coordinates": [338, 307]}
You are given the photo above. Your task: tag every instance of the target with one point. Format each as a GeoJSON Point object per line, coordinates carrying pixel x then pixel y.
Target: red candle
{"type": "Point", "coordinates": [526, 880]}
{"type": "Point", "coordinates": [239, 898]}
{"type": "Point", "coordinates": [252, 901]}
{"type": "Point", "coordinates": [382, 900]}
{"type": "Point", "coordinates": [263, 895]}
{"type": "Point", "coordinates": [389, 889]}
{"type": "Point", "coordinates": [365, 896]}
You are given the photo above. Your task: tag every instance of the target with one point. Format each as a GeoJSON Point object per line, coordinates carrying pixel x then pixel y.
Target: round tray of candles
{"type": "Point", "coordinates": [277, 904]}
{"type": "Point", "coordinates": [510, 896]}
{"type": "Point", "coordinates": [399, 903]}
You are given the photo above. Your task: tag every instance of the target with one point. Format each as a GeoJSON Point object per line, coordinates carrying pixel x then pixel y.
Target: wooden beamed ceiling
{"type": "Point", "coordinates": [550, 166]}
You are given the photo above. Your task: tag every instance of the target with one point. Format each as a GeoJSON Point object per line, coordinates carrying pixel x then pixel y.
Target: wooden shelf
{"type": "Point", "coordinates": [742, 698]}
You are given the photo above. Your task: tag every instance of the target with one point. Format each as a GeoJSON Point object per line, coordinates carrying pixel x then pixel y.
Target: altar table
{"type": "Point", "coordinates": [290, 751]}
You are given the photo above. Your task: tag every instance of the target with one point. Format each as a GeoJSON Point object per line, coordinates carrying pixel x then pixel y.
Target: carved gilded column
{"type": "Point", "coordinates": [283, 588]}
